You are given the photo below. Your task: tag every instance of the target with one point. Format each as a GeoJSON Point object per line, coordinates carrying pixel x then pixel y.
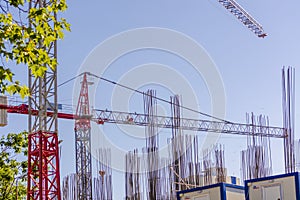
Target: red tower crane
{"type": "Point", "coordinates": [43, 152]}
{"type": "Point", "coordinates": [83, 135]}
{"type": "Point", "coordinates": [43, 156]}
{"type": "Point", "coordinates": [44, 145]}
{"type": "Point", "coordinates": [43, 160]}
{"type": "Point", "coordinates": [83, 143]}
{"type": "Point", "coordinates": [82, 130]}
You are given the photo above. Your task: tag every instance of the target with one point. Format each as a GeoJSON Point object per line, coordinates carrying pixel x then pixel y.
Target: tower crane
{"type": "Point", "coordinates": [43, 181]}
{"type": "Point", "coordinates": [43, 160]}
{"type": "Point", "coordinates": [83, 116]}
{"type": "Point", "coordinates": [83, 143]}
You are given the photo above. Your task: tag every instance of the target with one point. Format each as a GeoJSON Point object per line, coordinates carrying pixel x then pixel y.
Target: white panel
{"type": "Point", "coordinates": [206, 194]}
{"type": "Point", "coordinates": [235, 196]}
{"type": "Point", "coordinates": [272, 192]}
{"type": "Point", "coordinates": [202, 197]}
{"type": "Point", "coordinates": [273, 188]}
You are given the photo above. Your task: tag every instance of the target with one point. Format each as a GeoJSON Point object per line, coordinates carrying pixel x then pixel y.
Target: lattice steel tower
{"type": "Point", "coordinates": [43, 157]}
{"type": "Point", "coordinates": [83, 143]}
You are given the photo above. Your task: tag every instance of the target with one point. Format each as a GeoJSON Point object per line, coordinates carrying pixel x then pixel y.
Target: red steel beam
{"type": "Point", "coordinates": [23, 109]}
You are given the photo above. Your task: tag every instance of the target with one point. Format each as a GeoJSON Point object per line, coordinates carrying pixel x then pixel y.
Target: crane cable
{"type": "Point", "coordinates": [143, 93]}
{"type": "Point", "coordinates": [158, 98]}
{"type": "Point", "coordinates": [69, 80]}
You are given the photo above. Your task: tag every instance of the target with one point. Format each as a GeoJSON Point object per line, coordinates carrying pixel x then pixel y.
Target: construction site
{"type": "Point", "coordinates": [148, 114]}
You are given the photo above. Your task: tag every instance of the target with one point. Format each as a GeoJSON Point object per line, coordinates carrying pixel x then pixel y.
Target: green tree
{"type": "Point", "coordinates": [13, 166]}
{"type": "Point", "coordinates": [24, 43]}
{"type": "Point", "coordinates": [26, 34]}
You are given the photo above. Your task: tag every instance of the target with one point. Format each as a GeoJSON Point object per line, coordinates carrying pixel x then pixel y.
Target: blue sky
{"type": "Point", "coordinates": [250, 67]}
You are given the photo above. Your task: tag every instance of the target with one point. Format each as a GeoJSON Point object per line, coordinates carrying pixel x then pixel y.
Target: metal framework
{"type": "Point", "coordinates": [44, 152]}
{"type": "Point", "coordinates": [48, 141]}
{"type": "Point", "coordinates": [244, 17]}
{"type": "Point", "coordinates": [106, 116]}
{"type": "Point", "coordinates": [83, 144]}
{"type": "Point", "coordinates": [43, 159]}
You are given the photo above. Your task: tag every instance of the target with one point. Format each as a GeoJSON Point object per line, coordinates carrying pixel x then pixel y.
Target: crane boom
{"type": "Point", "coordinates": [244, 17]}
{"type": "Point", "coordinates": [107, 116]}
{"type": "Point", "coordinates": [23, 109]}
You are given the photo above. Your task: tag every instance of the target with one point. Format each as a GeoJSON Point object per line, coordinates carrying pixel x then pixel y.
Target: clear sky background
{"type": "Point", "coordinates": [250, 67]}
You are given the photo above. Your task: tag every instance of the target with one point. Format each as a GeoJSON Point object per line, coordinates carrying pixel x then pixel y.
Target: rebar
{"type": "Point", "coordinates": [288, 108]}
{"type": "Point", "coordinates": [256, 160]}
{"type": "Point", "coordinates": [102, 187]}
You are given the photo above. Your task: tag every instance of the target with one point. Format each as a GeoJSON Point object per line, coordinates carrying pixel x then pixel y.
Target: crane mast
{"type": "Point", "coordinates": [43, 153]}
{"type": "Point", "coordinates": [83, 143]}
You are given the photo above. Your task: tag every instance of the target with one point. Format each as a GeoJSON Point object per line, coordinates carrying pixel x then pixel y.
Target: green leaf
{"type": "Point", "coordinates": [16, 3]}
{"type": "Point", "coordinates": [24, 91]}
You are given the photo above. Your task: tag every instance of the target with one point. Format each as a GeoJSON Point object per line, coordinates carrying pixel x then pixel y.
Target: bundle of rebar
{"type": "Point", "coordinates": [207, 166]}
{"type": "Point", "coordinates": [192, 172]}
{"type": "Point", "coordinates": [165, 180]}
{"type": "Point", "coordinates": [183, 152]}
{"type": "Point", "coordinates": [220, 164]}
{"type": "Point", "coordinates": [288, 108]}
{"type": "Point", "coordinates": [177, 148]}
{"type": "Point", "coordinates": [214, 165]}
{"type": "Point", "coordinates": [151, 150]}
{"type": "Point", "coordinates": [297, 154]}
{"type": "Point", "coordinates": [102, 187]}
{"type": "Point", "coordinates": [69, 188]}
{"type": "Point", "coordinates": [132, 176]}
{"type": "Point", "coordinates": [256, 160]}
